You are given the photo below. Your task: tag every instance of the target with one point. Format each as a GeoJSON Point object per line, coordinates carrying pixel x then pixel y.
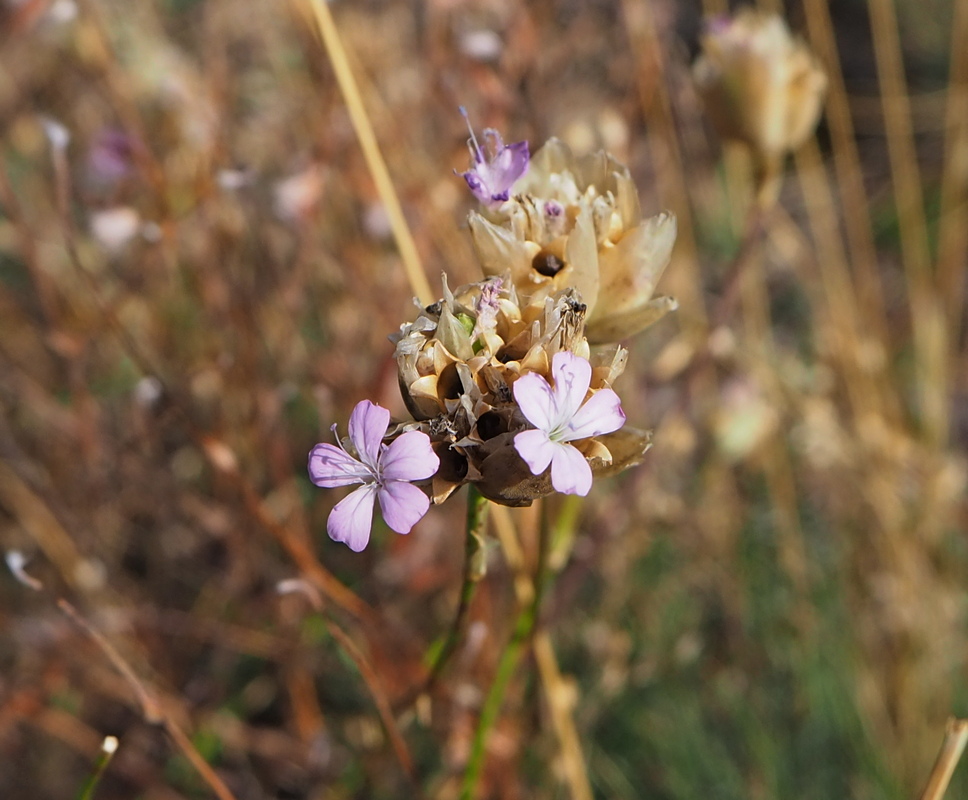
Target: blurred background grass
{"type": "Point", "coordinates": [203, 281]}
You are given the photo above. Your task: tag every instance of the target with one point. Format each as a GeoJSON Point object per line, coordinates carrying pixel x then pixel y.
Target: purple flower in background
{"type": "Point", "coordinates": [385, 472]}
{"type": "Point", "coordinates": [111, 155]}
{"type": "Point", "coordinates": [559, 416]}
{"type": "Point", "coordinates": [491, 177]}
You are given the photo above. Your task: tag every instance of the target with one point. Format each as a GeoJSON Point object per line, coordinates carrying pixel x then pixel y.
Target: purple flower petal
{"type": "Point", "coordinates": [409, 458]}
{"type": "Point", "coordinates": [402, 504]}
{"type": "Point", "coordinates": [383, 470]}
{"type": "Point", "coordinates": [536, 401]}
{"type": "Point", "coordinates": [570, 473]}
{"type": "Point", "coordinates": [572, 375]}
{"type": "Point", "coordinates": [490, 178]}
{"type": "Point", "coordinates": [477, 186]}
{"type": "Point", "coordinates": [330, 467]}
{"type": "Point", "coordinates": [350, 520]}
{"type": "Point", "coordinates": [368, 424]}
{"type": "Point", "coordinates": [535, 449]}
{"type": "Point", "coordinates": [561, 415]}
{"type": "Point", "coordinates": [511, 162]}
{"type": "Point", "coordinates": [111, 156]}
{"type": "Point", "coordinates": [601, 414]}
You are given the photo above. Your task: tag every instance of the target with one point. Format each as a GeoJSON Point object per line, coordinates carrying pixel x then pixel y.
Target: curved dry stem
{"type": "Point", "coordinates": [379, 698]}
{"type": "Point", "coordinates": [371, 149]}
{"type": "Point", "coordinates": [955, 739]}
{"type": "Point", "coordinates": [152, 710]}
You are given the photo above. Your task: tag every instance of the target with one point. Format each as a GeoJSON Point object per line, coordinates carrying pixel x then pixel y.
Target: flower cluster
{"type": "Point", "coordinates": [471, 368]}
{"type": "Point", "coordinates": [509, 379]}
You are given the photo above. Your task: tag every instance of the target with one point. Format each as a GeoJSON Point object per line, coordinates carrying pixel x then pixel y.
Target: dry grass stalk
{"type": "Point", "coordinates": [319, 10]}
{"type": "Point", "coordinates": [955, 738]}
{"type": "Point", "coordinates": [952, 233]}
{"type": "Point", "coordinates": [854, 206]}
{"type": "Point", "coordinates": [930, 334]}
{"type": "Point", "coordinates": [152, 708]}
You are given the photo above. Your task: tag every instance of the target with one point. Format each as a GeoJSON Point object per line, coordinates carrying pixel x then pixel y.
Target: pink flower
{"type": "Point", "coordinates": [385, 472]}
{"type": "Point", "coordinates": [490, 178]}
{"type": "Point", "coordinates": [560, 415]}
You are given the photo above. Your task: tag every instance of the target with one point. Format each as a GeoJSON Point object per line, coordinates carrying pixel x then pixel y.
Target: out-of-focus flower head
{"type": "Point", "coordinates": [385, 472]}
{"type": "Point", "coordinates": [114, 227]}
{"type": "Point", "coordinates": [111, 156]}
{"type": "Point", "coordinates": [760, 85]}
{"type": "Point", "coordinates": [459, 363]}
{"type": "Point", "coordinates": [576, 223]}
{"type": "Point", "coordinates": [492, 174]}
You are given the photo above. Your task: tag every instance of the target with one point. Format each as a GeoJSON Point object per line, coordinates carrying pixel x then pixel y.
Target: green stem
{"type": "Point", "coordinates": [107, 752]}
{"type": "Point", "coordinates": [477, 506]}
{"type": "Point", "coordinates": [523, 629]}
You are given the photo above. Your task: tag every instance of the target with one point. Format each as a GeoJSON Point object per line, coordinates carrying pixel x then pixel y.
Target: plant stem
{"type": "Point", "coordinates": [523, 629]}
{"type": "Point", "coordinates": [371, 149]}
{"type": "Point", "coordinates": [108, 749]}
{"type": "Point", "coordinates": [953, 746]}
{"type": "Point", "coordinates": [477, 507]}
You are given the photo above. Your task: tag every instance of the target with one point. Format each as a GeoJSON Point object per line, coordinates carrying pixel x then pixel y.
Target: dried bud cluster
{"type": "Point", "coordinates": [574, 222]}
{"type": "Point", "coordinates": [760, 85]}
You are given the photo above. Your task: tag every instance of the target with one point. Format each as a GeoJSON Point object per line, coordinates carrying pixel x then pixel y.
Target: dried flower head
{"type": "Point", "coordinates": [577, 223]}
{"type": "Point", "coordinates": [760, 85]}
{"type": "Point", "coordinates": [459, 365]}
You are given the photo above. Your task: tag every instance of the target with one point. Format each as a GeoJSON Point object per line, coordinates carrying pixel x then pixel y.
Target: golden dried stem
{"type": "Point", "coordinates": [930, 334]}
{"type": "Point", "coordinates": [379, 696]}
{"type": "Point", "coordinates": [513, 552]}
{"type": "Point", "coordinates": [371, 149]}
{"type": "Point", "coordinates": [559, 702]}
{"type": "Point", "coordinates": [150, 708]}
{"type": "Point", "coordinates": [845, 316]}
{"type": "Point", "coordinates": [36, 517]}
{"type": "Point", "coordinates": [849, 176]}
{"type": "Point", "coordinates": [955, 738]}
{"type": "Point", "coordinates": [953, 233]}
{"type": "Point", "coordinates": [664, 143]}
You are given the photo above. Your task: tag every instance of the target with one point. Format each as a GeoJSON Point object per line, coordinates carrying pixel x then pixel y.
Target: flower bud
{"type": "Point", "coordinates": [760, 85]}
